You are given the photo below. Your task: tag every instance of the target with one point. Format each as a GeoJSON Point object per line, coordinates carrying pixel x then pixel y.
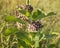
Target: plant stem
{"type": "Point", "coordinates": [27, 2]}
{"type": "Point", "coordinates": [36, 41]}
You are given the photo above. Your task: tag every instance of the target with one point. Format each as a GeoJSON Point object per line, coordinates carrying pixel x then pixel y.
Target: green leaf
{"type": "Point", "coordinates": [10, 19]}
{"type": "Point", "coordinates": [23, 44]}
{"type": "Point", "coordinates": [50, 36]}
{"type": "Point", "coordinates": [24, 36]}
{"type": "Point", "coordinates": [10, 30]}
{"type": "Point", "coordinates": [13, 19]}
{"type": "Point", "coordinates": [51, 13]}
{"type": "Point", "coordinates": [28, 14]}
{"type": "Point", "coordinates": [22, 11]}
{"type": "Point", "coordinates": [51, 45]}
{"type": "Point", "coordinates": [20, 20]}
{"type": "Point", "coordinates": [38, 15]}
{"type": "Point", "coordinates": [55, 33]}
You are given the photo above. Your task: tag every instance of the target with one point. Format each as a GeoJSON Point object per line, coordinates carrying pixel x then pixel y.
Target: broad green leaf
{"type": "Point", "coordinates": [38, 15]}
{"type": "Point", "coordinates": [51, 13]}
{"type": "Point", "coordinates": [23, 44]}
{"type": "Point", "coordinates": [26, 13]}
{"type": "Point", "coordinates": [13, 19]}
{"type": "Point", "coordinates": [10, 19]}
{"type": "Point", "coordinates": [27, 41]}
{"type": "Point", "coordinates": [22, 11]}
{"type": "Point", "coordinates": [24, 36]}
{"type": "Point", "coordinates": [10, 30]}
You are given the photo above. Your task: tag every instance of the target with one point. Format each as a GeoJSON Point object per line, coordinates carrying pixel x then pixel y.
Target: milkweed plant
{"type": "Point", "coordinates": [24, 28]}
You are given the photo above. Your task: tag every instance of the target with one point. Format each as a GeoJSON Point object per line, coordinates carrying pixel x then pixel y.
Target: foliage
{"type": "Point", "coordinates": [14, 37]}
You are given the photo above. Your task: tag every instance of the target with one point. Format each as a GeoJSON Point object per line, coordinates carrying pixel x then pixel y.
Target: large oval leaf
{"type": "Point", "coordinates": [51, 13]}
{"type": "Point", "coordinates": [22, 11]}
{"type": "Point", "coordinates": [10, 30]}
{"type": "Point", "coordinates": [10, 19]}
{"type": "Point", "coordinates": [25, 37]}
{"type": "Point", "coordinates": [38, 15]}
{"type": "Point", "coordinates": [23, 44]}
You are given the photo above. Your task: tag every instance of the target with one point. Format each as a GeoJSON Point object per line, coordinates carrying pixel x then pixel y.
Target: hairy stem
{"type": "Point", "coordinates": [27, 2]}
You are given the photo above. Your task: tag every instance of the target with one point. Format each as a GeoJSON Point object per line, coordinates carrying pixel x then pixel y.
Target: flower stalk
{"type": "Point", "coordinates": [27, 2]}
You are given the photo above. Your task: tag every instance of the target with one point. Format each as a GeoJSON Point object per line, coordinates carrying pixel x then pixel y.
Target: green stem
{"type": "Point", "coordinates": [36, 41]}
{"type": "Point", "coordinates": [27, 2]}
